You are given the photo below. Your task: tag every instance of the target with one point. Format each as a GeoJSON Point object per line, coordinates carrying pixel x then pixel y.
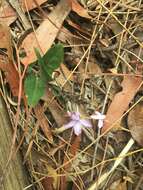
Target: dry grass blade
{"type": "Point", "coordinates": [117, 162]}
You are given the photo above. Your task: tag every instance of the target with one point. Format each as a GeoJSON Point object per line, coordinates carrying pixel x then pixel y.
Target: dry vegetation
{"type": "Point", "coordinates": [101, 71]}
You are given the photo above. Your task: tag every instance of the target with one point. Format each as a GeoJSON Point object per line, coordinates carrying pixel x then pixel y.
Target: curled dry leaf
{"type": "Point", "coordinates": [121, 101]}
{"type": "Point", "coordinates": [135, 123]}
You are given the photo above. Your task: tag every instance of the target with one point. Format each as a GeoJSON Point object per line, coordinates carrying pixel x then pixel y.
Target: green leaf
{"type": "Point", "coordinates": [54, 56]}
{"type": "Point", "coordinates": [39, 57]}
{"type": "Point", "coordinates": [35, 85]}
{"type": "Point", "coordinates": [52, 59]}
{"type": "Point", "coordinates": [34, 89]}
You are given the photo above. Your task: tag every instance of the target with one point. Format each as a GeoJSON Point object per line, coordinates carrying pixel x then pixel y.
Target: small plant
{"type": "Point", "coordinates": [35, 82]}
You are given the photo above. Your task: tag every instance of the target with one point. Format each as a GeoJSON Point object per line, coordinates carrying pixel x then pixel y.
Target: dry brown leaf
{"type": "Point", "coordinates": [121, 100]}
{"type": "Point", "coordinates": [7, 13]}
{"type": "Point", "coordinates": [5, 39]}
{"type": "Point", "coordinates": [135, 123]}
{"type": "Point", "coordinates": [50, 183]}
{"type": "Point", "coordinates": [6, 62]}
{"type": "Point", "coordinates": [12, 78]}
{"type": "Point", "coordinates": [81, 11]}
{"type": "Point", "coordinates": [47, 183]}
{"type": "Point", "coordinates": [46, 33]}
{"type": "Point", "coordinates": [43, 122]}
{"type": "Point", "coordinates": [30, 4]}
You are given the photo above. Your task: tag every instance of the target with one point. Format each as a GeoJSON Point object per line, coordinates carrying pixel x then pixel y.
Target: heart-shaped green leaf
{"type": "Point", "coordinates": [34, 89]}
{"type": "Point", "coordinates": [54, 56]}
{"type": "Point", "coordinates": [52, 59]}
{"type": "Point", "coordinates": [35, 85]}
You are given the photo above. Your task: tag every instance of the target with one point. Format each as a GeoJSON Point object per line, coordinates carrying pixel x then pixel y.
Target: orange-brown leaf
{"type": "Point", "coordinates": [6, 63]}
{"type": "Point", "coordinates": [121, 100]}
{"type": "Point", "coordinates": [5, 39]}
{"type": "Point", "coordinates": [47, 183]}
{"type": "Point", "coordinates": [81, 11]}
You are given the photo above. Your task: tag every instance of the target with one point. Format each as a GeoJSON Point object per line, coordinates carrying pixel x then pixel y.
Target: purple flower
{"type": "Point", "coordinates": [77, 123]}
{"type": "Point", "coordinates": [100, 117]}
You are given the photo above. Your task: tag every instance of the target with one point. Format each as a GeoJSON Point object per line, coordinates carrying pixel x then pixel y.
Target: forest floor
{"type": "Point", "coordinates": [72, 82]}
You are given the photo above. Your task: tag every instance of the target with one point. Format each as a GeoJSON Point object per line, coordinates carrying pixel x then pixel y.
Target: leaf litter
{"type": "Point", "coordinates": [96, 74]}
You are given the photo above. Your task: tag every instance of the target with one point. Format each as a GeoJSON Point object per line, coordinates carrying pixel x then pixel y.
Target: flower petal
{"type": "Point", "coordinates": [100, 124]}
{"type": "Point", "coordinates": [75, 116]}
{"type": "Point", "coordinates": [98, 115]}
{"type": "Point", "coordinates": [77, 128]}
{"type": "Point", "coordinates": [85, 122]}
{"type": "Point", "coordinates": [70, 124]}
{"type": "Point", "coordinates": [69, 113]}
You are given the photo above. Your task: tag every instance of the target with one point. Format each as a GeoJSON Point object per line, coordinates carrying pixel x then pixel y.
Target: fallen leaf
{"type": "Point", "coordinates": [121, 101]}
{"type": "Point", "coordinates": [50, 183]}
{"type": "Point", "coordinates": [28, 5]}
{"type": "Point", "coordinates": [8, 14]}
{"type": "Point", "coordinates": [53, 173]}
{"type": "Point", "coordinates": [47, 183]}
{"type": "Point", "coordinates": [46, 33]}
{"type": "Point", "coordinates": [12, 77]}
{"type": "Point", "coordinates": [135, 123]}
{"type": "Point", "coordinates": [5, 39]}
{"type": "Point", "coordinates": [6, 61]}
{"type": "Point", "coordinates": [43, 122]}
{"type": "Point", "coordinates": [81, 11]}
